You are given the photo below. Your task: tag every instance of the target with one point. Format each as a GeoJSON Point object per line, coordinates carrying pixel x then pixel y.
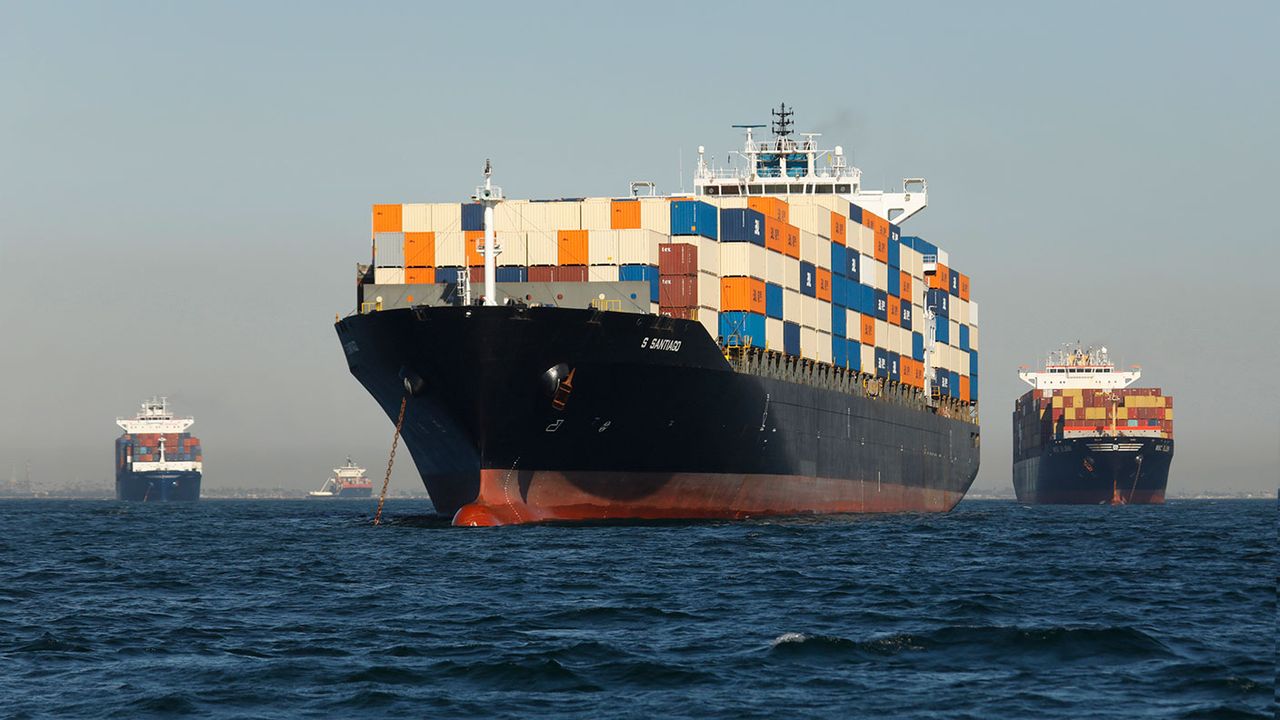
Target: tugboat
{"type": "Point", "coordinates": [348, 481]}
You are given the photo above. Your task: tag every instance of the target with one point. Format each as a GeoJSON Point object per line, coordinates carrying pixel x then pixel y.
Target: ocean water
{"type": "Point", "coordinates": [302, 609]}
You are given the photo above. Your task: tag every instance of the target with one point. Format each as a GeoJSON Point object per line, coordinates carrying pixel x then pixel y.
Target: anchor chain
{"type": "Point", "coordinates": [386, 480]}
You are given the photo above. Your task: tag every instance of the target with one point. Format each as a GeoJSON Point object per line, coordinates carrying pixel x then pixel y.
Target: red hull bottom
{"type": "Point", "coordinates": [513, 498]}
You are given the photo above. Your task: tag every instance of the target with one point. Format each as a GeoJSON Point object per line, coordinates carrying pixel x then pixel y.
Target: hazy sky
{"type": "Point", "coordinates": [185, 189]}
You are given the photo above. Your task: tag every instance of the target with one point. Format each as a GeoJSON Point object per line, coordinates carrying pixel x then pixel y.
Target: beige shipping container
{"type": "Point", "coordinates": [973, 338]}
{"type": "Point", "coordinates": [710, 320]}
{"type": "Point", "coordinates": [506, 216]}
{"type": "Point", "coordinates": [773, 333]}
{"type": "Point", "coordinates": [791, 273]}
{"type": "Point", "coordinates": [853, 325]}
{"type": "Point", "coordinates": [954, 337]}
{"type": "Point", "coordinates": [824, 317]}
{"type": "Point", "coordinates": [776, 267]}
{"type": "Point", "coordinates": [824, 345]}
{"type": "Point", "coordinates": [639, 247]}
{"type": "Point", "coordinates": [388, 276]}
{"type": "Point", "coordinates": [882, 275]}
{"type": "Point", "coordinates": [868, 359]}
{"type": "Point", "coordinates": [597, 214]}
{"type": "Point", "coordinates": [709, 290]}
{"type": "Point", "coordinates": [602, 273]}
{"type": "Point", "coordinates": [602, 247]}
{"type": "Point", "coordinates": [415, 217]}
{"type": "Point", "coordinates": [812, 219]}
{"type": "Point", "coordinates": [792, 306]}
{"type": "Point", "coordinates": [809, 312]}
{"type": "Point", "coordinates": [514, 246]}
{"type": "Point", "coordinates": [731, 203]}
{"type": "Point", "coordinates": [655, 214]}
{"type": "Point", "coordinates": [446, 217]}
{"type": "Point", "coordinates": [809, 247]}
{"type": "Point", "coordinates": [867, 271]}
{"type": "Point", "coordinates": [743, 259]}
{"type": "Point", "coordinates": [882, 333]}
{"type": "Point", "coordinates": [709, 256]}
{"type": "Point", "coordinates": [451, 248]}
{"type": "Point", "coordinates": [973, 313]}
{"type": "Point", "coordinates": [960, 310]}
{"type": "Point", "coordinates": [543, 249]}
{"type": "Point", "coordinates": [808, 343]}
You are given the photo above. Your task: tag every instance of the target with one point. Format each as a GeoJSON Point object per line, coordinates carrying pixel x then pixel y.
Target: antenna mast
{"type": "Point", "coordinates": [489, 196]}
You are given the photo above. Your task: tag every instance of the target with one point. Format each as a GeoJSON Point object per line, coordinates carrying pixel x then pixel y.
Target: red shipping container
{"type": "Point", "coordinates": [571, 273]}
{"type": "Point", "coordinates": [678, 291]}
{"type": "Point", "coordinates": [677, 259]}
{"type": "Point", "coordinates": [542, 273]}
{"type": "Point", "coordinates": [477, 274]}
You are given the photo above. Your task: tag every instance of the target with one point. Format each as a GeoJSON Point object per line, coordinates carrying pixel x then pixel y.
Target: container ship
{"type": "Point", "coordinates": [157, 460]}
{"type": "Point", "coordinates": [1083, 436]}
{"type": "Point", "coordinates": [348, 482]}
{"type": "Point", "coordinates": [769, 344]}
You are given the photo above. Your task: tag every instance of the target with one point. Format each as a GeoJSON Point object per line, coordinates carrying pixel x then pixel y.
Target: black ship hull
{"type": "Point", "coordinates": [158, 486]}
{"type": "Point", "coordinates": [540, 414]}
{"type": "Point", "coordinates": [1095, 470]}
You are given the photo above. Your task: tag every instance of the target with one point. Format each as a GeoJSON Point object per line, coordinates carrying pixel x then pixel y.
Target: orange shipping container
{"type": "Point", "coordinates": [824, 284]}
{"type": "Point", "coordinates": [423, 275]}
{"type": "Point", "coordinates": [868, 327]}
{"type": "Point", "coordinates": [904, 285]}
{"type": "Point", "coordinates": [791, 240]}
{"type": "Point", "coordinates": [386, 218]}
{"type": "Point", "coordinates": [742, 294]}
{"type": "Point", "coordinates": [475, 241]}
{"type": "Point", "coordinates": [624, 215]}
{"type": "Point", "coordinates": [838, 222]}
{"type": "Point", "coordinates": [964, 388]}
{"type": "Point", "coordinates": [941, 280]}
{"type": "Point", "coordinates": [895, 310]}
{"type": "Point", "coordinates": [420, 249]}
{"type": "Point", "coordinates": [773, 235]}
{"type": "Point", "coordinates": [571, 247]}
{"type": "Point", "coordinates": [771, 207]}
{"type": "Point", "coordinates": [964, 287]}
{"type": "Point", "coordinates": [881, 246]}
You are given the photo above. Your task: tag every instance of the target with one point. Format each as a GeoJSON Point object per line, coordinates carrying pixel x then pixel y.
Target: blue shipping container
{"type": "Point", "coordinates": [808, 280]}
{"type": "Point", "coordinates": [855, 355]}
{"type": "Point", "coordinates": [955, 384]}
{"type": "Point", "coordinates": [838, 323]}
{"type": "Point", "coordinates": [894, 371]}
{"type": "Point", "coordinates": [955, 282]}
{"type": "Point", "coordinates": [512, 274]}
{"type": "Point", "coordinates": [895, 248]}
{"type": "Point", "coordinates": [448, 274]}
{"type": "Point", "coordinates": [839, 352]}
{"type": "Point", "coordinates": [917, 346]}
{"type": "Point", "coordinates": [939, 301]}
{"type": "Point", "coordinates": [923, 247]}
{"type": "Point", "coordinates": [694, 217]}
{"type": "Point", "coordinates": [894, 281]}
{"type": "Point", "coordinates": [742, 225]}
{"type": "Point", "coordinates": [882, 363]}
{"type": "Point", "coordinates": [973, 365]}
{"type": "Point", "coordinates": [882, 305]}
{"type": "Point", "coordinates": [773, 300]}
{"type": "Point", "coordinates": [851, 269]}
{"type": "Point", "coordinates": [905, 319]}
{"type": "Point", "coordinates": [973, 388]}
{"type": "Point", "coordinates": [942, 331]}
{"type": "Point", "coordinates": [790, 338]}
{"type": "Point", "coordinates": [745, 328]}
{"type": "Point", "coordinates": [839, 291]}
{"type": "Point", "coordinates": [647, 273]}
{"type": "Point", "coordinates": [855, 214]}
{"type": "Point", "coordinates": [839, 256]}
{"type": "Point", "coordinates": [472, 217]}
{"type": "Point", "coordinates": [964, 337]}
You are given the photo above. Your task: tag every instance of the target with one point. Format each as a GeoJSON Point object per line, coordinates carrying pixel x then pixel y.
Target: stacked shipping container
{"type": "Point", "coordinates": [1041, 416]}
{"type": "Point", "coordinates": [812, 276]}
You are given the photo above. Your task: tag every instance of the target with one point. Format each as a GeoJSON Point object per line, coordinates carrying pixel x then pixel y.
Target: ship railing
{"type": "Point", "coordinates": [607, 304]}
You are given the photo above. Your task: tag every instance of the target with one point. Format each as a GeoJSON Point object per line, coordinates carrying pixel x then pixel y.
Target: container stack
{"type": "Point", "coordinates": [1041, 416]}
{"type": "Point", "coordinates": [145, 447]}
{"type": "Point", "coordinates": [812, 276]}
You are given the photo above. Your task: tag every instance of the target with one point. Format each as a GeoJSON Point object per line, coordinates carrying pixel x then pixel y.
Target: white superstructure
{"type": "Point", "coordinates": [349, 475]}
{"type": "Point", "coordinates": [785, 166]}
{"type": "Point", "coordinates": [1079, 369]}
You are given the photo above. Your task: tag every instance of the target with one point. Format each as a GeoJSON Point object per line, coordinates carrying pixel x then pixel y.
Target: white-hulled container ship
{"type": "Point", "coordinates": [347, 482]}
{"type": "Point", "coordinates": [157, 460]}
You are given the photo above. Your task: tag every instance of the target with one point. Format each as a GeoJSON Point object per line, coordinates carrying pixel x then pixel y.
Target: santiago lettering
{"type": "Point", "coordinates": [660, 344]}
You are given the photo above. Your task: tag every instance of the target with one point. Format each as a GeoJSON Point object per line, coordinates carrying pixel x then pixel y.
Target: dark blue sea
{"type": "Point", "coordinates": [266, 609]}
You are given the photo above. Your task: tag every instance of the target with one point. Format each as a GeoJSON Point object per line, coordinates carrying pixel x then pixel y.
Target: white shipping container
{"type": "Point", "coordinates": [973, 313]}
{"type": "Point", "coordinates": [866, 239]}
{"type": "Point", "coordinates": [823, 256]}
{"type": "Point", "coordinates": [602, 247]}
{"type": "Point", "coordinates": [944, 258]}
{"type": "Point", "coordinates": [597, 214]}
{"type": "Point", "coordinates": [515, 249]}
{"type": "Point", "coordinates": [602, 273]}
{"type": "Point", "coordinates": [919, 323]}
{"type": "Point", "coordinates": [809, 314]}
{"type": "Point", "coordinates": [451, 249]}
{"type": "Point", "coordinates": [867, 273]}
{"type": "Point", "coordinates": [506, 216]}
{"type": "Point", "coordinates": [709, 255]}
{"type": "Point", "coordinates": [809, 247]}
{"type": "Point", "coordinates": [388, 276]}
{"type": "Point", "coordinates": [388, 249]}
{"type": "Point", "coordinates": [655, 214]}
{"type": "Point", "coordinates": [791, 274]}
{"type": "Point", "coordinates": [446, 217]}
{"type": "Point", "coordinates": [542, 248]}
{"type": "Point", "coordinates": [973, 338]}
{"type": "Point", "coordinates": [743, 259]}
{"type": "Point", "coordinates": [639, 247]}
{"type": "Point", "coordinates": [773, 333]}
{"type": "Point", "coordinates": [710, 320]}
{"type": "Point", "coordinates": [776, 267]}
{"type": "Point", "coordinates": [882, 334]}
{"type": "Point", "coordinates": [852, 324]}
{"type": "Point", "coordinates": [792, 306]}
{"type": "Point", "coordinates": [955, 334]}
{"type": "Point", "coordinates": [534, 217]}
{"type": "Point", "coordinates": [415, 217]}
{"type": "Point", "coordinates": [904, 341]}
{"type": "Point", "coordinates": [709, 290]}
{"type": "Point", "coordinates": [882, 275]}
{"type": "Point", "coordinates": [960, 310]}
{"type": "Point", "coordinates": [731, 203]}
{"type": "Point", "coordinates": [808, 343]}
{"type": "Point", "coordinates": [824, 347]}
{"type": "Point", "coordinates": [868, 359]}
{"type": "Point", "coordinates": [824, 317]}
{"type": "Point", "coordinates": [810, 219]}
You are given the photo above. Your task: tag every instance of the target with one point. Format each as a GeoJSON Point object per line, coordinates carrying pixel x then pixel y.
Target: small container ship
{"type": "Point", "coordinates": [157, 460]}
{"type": "Point", "coordinates": [771, 344]}
{"type": "Point", "coordinates": [1083, 436]}
{"type": "Point", "coordinates": [347, 482]}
